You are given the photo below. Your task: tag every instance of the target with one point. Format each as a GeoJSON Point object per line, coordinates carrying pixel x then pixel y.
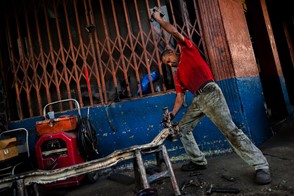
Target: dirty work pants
{"type": "Point", "coordinates": [212, 103]}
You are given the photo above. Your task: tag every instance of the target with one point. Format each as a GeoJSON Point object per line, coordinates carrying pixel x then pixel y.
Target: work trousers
{"type": "Point", "coordinates": [212, 103]}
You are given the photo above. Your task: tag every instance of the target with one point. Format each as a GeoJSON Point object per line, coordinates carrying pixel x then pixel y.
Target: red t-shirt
{"type": "Point", "coordinates": [192, 70]}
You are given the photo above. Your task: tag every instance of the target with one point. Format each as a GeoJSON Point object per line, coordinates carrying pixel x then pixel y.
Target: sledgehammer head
{"type": "Point", "coordinates": [155, 9]}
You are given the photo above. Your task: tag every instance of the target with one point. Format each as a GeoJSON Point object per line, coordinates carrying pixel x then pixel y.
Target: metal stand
{"type": "Point", "coordinates": [142, 180]}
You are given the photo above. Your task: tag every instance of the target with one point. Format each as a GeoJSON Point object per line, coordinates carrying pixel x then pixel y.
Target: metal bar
{"type": "Point", "coordinates": [12, 61]}
{"type": "Point", "coordinates": [130, 35]}
{"type": "Point", "coordinates": [22, 62]}
{"type": "Point", "coordinates": [88, 15]}
{"type": "Point", "coordinates": [42, 63]}
{"type": "Point", "coordinates": [72, 52]}
{"type": "Point", "coordinates": [54, 78]}
{"type": "Point", "coordinates": [108, 46]}
{"type": "Point", "coordinates": [20, 188]}
{"type": "Point", "coordinates": [137, 175]}
{"type": "Point", "coordinates": [158, 175]}
{"type": "Point", "coordinates": [170, 169]}
{"type": "Point", "coordinates": [144, 47]}
{"type": "Point", "coordinates": [32, 56]}
{"type": "Point", "coordinates": [142, 170]}
{"type": "Point", "coordinates": [85, 65]}
{"type": "Point", "coordinates": [125, 70]}
{"type": "Point", "coordinates": [102, 87]}
{"type": "Point", "coordinates": [76, 103]}
{"type": "Point", "coordinates": [61, 48]}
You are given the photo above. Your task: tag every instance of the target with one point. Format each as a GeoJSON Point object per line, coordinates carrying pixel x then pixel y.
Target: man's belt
{"type": "Point", "coordinates": [202, 87]}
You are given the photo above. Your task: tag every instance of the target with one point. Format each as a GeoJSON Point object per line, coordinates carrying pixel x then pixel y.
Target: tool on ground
{"type": "Point", "coordinates": [228, 178]}
{"type": "Point", "coordinates": [197, 173]}
{"type": "Point", "coordinates": [147, 192]}
{"type": "Point", "coordinates": [212, 189]}
{"type": "Point", "coordinates": [155, 9]}
{"type": "Point", "coordinates": [187, 184]}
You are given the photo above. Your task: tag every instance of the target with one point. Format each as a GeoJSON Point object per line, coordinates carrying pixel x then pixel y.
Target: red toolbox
{"type": "Point", "coordinates": [60, 124]}
{"type": "Point", "coordinates": [50, 124]}
{"type": "Point", "coordinates": [59, 150]}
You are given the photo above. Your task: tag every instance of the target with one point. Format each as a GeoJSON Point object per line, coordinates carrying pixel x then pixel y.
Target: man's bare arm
{"type": "Point", "coordinates": [178, 103]}
{"type": "Point", "coordinates": [168, 27]}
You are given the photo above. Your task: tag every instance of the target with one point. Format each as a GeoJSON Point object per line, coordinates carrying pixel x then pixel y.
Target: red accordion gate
{"type": "Point", "coordinates": [94, 51]}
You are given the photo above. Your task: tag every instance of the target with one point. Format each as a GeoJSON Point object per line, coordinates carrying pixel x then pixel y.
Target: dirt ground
{"type": "Point", "coordinates": [223, 172]}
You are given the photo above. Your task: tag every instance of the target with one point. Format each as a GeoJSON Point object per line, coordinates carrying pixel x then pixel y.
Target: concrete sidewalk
{"type": "Point", "coordinates": [226, 171]}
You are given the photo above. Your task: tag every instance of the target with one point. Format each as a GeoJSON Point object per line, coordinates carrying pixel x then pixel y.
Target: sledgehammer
{"type": "Point", "coordinates": [212, 189]}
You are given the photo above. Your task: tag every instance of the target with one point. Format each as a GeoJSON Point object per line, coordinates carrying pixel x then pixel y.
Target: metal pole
{"type": "Point", "coordinates": [171, 171]}
{"type": "Point", "coordinates": [142, 170]}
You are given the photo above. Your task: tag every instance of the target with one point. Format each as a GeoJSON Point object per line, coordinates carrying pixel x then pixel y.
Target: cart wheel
{"type": "Point", "coordinates": [92, 177]}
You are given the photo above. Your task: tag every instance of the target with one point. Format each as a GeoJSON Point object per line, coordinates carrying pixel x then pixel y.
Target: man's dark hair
{"type": "Point", "coordinates": [165, 52]}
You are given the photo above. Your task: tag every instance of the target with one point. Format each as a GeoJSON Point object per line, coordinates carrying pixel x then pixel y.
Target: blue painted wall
{"type": "Point", "coordinates": [285, 95]}
{"type": "Point", "coordinates": [137, 121]}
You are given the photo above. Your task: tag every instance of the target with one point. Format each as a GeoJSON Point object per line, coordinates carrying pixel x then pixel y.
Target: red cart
{"type": "Point", "coordinates": [57, 146]}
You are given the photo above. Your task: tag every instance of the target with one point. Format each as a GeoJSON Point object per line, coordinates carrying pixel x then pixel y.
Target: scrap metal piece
{"type": "Point", "coordinates": [197, 173]}
{"type": "Point", "coordinates": [228, 178]}
{"type": "Point", "coordinates": [186, 184]}
{"type": "Point", "coordinates": [212, 189]}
